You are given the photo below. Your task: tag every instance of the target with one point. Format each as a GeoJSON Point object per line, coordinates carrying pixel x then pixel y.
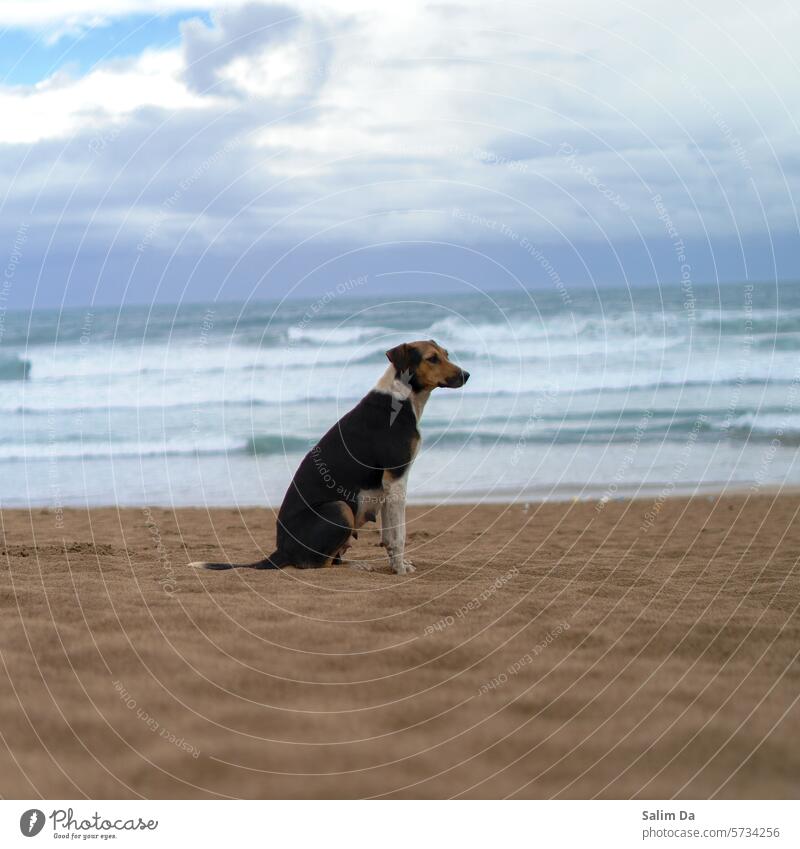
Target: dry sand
{"type": "Point", "coordinates": [562, 651]}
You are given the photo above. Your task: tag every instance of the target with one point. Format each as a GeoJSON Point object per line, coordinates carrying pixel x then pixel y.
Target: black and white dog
{"type": "Point", "coordinates": [360, 467]}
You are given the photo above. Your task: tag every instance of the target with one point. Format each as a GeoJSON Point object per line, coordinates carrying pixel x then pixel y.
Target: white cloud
{"type": "Point", "coordinates": [62, 106]}
{"type": "Point", "coordinates": [392, 114]}
{"type": "Point", "coordinates": [232, 53]}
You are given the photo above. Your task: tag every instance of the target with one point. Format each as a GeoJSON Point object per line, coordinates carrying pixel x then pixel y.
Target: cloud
{"type": "Point", "coordinates": [63, 106]}
{"type": "Point", "coordinates": [238, 40]}
{"type": "Point", "coordinates": [353, 123]}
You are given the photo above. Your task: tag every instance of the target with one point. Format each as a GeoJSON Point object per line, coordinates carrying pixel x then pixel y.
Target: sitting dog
{"type": "Point", "coordinates": [360, 467]}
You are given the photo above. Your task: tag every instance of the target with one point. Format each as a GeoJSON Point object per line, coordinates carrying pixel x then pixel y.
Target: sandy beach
{"type": "Point", "coordinates": [563, 650]}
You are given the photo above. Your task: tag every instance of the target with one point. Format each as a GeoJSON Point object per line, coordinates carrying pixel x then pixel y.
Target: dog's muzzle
{"type": "Point", "coordinates": [456, 380]}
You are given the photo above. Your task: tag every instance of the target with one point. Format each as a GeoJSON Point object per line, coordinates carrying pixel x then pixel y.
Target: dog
{"type": "Point", "coordinates": [360, 468]}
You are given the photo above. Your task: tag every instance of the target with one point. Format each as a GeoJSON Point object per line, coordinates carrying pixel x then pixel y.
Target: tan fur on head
{"type": "Point", "coordinates": [427, 365]}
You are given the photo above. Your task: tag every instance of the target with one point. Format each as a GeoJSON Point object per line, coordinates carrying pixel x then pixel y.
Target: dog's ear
{"type": "Point", "coordinates": [400, 357]}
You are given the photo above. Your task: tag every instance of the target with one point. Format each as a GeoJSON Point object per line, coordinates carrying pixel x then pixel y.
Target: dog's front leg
{"type": "Point", "coordinates": [385, 523]}
{"type": "Point", "coordinates": [393, 525]}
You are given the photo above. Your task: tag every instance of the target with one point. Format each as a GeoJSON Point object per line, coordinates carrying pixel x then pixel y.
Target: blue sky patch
{"type": "Point", "coordinates": [28, 56]}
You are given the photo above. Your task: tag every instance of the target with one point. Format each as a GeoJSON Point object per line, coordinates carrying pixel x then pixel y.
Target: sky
{"type": "Point", "coordinates": [166, 150]}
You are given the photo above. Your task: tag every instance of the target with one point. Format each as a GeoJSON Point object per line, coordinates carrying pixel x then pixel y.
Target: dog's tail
{"type": "Point", "coordinates": [276, 560]}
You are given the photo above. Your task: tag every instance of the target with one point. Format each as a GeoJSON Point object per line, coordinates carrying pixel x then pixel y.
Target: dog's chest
{"type": "Point", "coordinates": [369, 505]}
{"type": "Point", "coordinates": [370, 501]}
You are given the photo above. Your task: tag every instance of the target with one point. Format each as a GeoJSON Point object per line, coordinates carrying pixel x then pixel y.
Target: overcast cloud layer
{"type": "Point", "coordinates": [272, 146]}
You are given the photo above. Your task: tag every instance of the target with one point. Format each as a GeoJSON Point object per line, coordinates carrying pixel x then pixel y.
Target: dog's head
{"type": "Point", "coordinates": [425, 366]}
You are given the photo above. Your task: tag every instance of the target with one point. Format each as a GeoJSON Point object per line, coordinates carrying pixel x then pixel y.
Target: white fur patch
{"type": "Point", "coordinates": [390, 385]}
{"type": "Point", "coordinates": [400, 391]}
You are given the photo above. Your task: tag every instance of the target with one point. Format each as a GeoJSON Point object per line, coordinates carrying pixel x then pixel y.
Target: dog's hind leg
{"type": "Point", "coordinates": [316, 536]}
{"type": "Point", "coordinates": [363, 565]}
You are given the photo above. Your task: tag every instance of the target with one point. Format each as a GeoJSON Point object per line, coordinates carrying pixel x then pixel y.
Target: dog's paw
{"type": "Point", "coordinates": [362, 565]}
{"type": "Point", "coordinates": [406, 567]}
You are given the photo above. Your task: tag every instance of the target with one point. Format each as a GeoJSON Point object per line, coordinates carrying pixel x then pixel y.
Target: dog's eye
{"type": "Point", "coordinates": [433, 358]}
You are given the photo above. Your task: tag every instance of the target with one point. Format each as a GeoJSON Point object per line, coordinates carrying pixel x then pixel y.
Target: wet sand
{"type": "Point", "coordinates": [566, 650]}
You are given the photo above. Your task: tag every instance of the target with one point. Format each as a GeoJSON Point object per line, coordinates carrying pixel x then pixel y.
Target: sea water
{"type": "Point", "coordinates": [602, 394]}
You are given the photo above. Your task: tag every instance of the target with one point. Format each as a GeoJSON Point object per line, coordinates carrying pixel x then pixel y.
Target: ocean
{"type": "Point", "coordinates": [581, 394]}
